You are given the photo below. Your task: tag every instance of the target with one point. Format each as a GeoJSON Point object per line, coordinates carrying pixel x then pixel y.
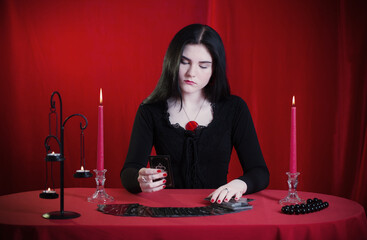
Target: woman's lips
{"type": "Point", "coordinates": [189, 82]}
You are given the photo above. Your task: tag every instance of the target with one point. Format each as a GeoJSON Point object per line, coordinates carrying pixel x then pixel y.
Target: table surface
{"type": "Point", "coordinates": [20, 212]}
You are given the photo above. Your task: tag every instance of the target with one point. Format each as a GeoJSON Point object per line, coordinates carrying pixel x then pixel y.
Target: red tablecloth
{"type": "Point", "coordinates": [21, 218]}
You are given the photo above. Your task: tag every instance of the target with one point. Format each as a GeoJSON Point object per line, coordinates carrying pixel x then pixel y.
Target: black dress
{"type": "Point", "coordinates": [199, 159]}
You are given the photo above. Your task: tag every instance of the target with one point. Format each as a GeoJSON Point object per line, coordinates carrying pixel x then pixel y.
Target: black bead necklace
{"type": "Point", "coordinates": [312, 205]}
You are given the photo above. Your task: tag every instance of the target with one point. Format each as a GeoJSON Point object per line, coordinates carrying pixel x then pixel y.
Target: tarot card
{"type": "Point", "coordinates": [163, 162]}
{"type": "Point", "coordinates": [241, 204]}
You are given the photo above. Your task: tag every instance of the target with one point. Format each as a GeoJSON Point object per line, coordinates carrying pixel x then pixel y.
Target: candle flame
{"type": "Point", "coordinates": [53, 152]}
{"type": "Point", "coordinates": [49, 189]}
{"type": "Point", "coordinates": [81, 168]}
{"type": "Point", "coordinates": [293, 101]}
{"type": "Point", "coordinates": [100, 96]}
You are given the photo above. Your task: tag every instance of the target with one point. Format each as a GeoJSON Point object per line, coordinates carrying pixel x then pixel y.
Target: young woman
{"type": "Point", "coordinates": [192, 117]}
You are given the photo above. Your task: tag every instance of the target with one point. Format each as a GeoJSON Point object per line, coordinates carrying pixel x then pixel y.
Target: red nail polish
{"type": "Point", "coordinates": [212, 200]}
{"type": "Point", "coordinates": [164, 174]}
{"type": "Point", "coordinates": [236, 198]}
{"type": "Point", "coordinates": [164, 181]}
{"type": "Point", "coordinates": [164, 186]}
{"type": "Point", "coordinates": [226, 199]}
{"type": "Point", "coordinates": [158, 171]}
{"type": "Point", "coordinates": [218, 201]}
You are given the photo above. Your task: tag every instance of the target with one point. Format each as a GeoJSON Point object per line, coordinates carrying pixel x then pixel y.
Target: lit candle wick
{"type": "Point", "coordinates": [81, 170]}
{"type": "Point", "coordinates": [294, 101]}
{"type": "Point", "coordinates": [100, 97]}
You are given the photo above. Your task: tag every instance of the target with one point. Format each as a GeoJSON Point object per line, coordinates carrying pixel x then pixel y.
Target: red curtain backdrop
{"type": "Point", "coordinates": [315, 50]}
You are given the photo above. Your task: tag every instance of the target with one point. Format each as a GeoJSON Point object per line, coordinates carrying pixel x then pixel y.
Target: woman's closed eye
{"type": "Point", "coordinates": [204, 66]}
{"type": "Point", "coordinates": [184, 61]}
{"type": "Point", "coordinates": [201, 64]}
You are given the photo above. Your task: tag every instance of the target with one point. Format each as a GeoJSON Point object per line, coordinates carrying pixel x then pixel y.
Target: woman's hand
{"type": "Point", "coordinates": [224, 193]}
{"type": "Point", "coordinates": [146, 177]}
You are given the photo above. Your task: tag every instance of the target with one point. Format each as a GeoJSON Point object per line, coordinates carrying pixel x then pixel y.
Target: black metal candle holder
{"type": "Point", "coordinates": [52, 157]}
{"type": "Point", "coordinates": [82, 173]}
{"type": "Point", "coordinates": [49, 194]}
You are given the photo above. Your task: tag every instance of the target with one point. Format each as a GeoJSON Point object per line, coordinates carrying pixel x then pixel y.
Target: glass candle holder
{"type": "Point", "coordinates": [100, 196]}
{"type": "Point", "coordinates": [292, 197]}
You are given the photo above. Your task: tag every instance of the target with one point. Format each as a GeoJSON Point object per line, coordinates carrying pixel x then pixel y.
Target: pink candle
{"type": "Point", "coordinates": [100, 150]}
{"type": "Point", "coordinates": [293, 147]}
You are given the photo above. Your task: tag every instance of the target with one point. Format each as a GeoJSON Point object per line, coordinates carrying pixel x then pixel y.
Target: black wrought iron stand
{"type": "Point", "coordinates": [51, 157]}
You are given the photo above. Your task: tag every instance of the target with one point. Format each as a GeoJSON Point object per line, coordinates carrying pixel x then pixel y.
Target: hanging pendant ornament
{"type": "Point", "coordinates": [192, 125]}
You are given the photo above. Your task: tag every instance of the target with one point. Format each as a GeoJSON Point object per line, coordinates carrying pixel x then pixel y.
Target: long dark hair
{"type": "Point", "coordinates": [168, 85]}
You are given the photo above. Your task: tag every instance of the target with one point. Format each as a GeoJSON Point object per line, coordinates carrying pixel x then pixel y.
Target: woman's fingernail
{"type": "Point", "coordinates": [164, 181]}
{"type": "Point", "coordinates": [236, 198]}
{"type": "Point", "coordinates": [226, 199]}
{"type": "Point", "coordinates": [218, 201]}
{"type": "Point", "coordinates": [164, 174]}
{"type": "Point", "coordinates": [158, 171]}
{"type": "Point", "coordinates": [164, 186]}
{"type": "Point", "coordinates": [212, 200]}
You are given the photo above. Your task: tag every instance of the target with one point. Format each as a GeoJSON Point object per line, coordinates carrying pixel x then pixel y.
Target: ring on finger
{"type": "Point", "coordinates": [144, 179]}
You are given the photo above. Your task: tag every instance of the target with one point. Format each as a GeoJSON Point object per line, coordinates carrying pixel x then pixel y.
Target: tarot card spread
{"type": "Point", "coordinates": [138, 210]}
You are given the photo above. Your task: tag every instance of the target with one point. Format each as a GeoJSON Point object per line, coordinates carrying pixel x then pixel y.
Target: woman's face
{"type": "Point", "coordinates": [195, 68]}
